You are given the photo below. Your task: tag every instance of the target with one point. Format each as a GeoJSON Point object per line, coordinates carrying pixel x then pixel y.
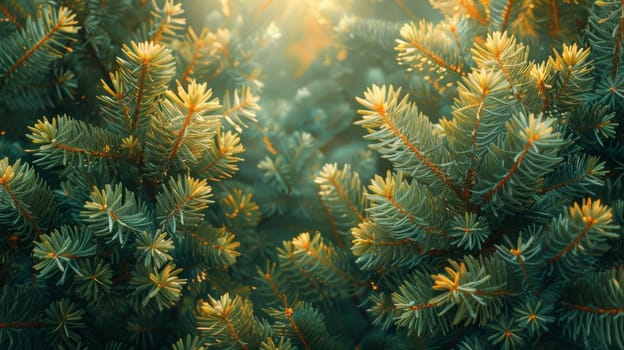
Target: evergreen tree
{"type": "Point", "coordinates": [170, 195]}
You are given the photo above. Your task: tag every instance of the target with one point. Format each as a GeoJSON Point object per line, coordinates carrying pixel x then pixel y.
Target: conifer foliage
{"type": "Point", "coordinates": [502, 196]}
{"type": "Point", "coordinates": [493, 218]}
{"type": "Point", "coordinates": [136, 184]}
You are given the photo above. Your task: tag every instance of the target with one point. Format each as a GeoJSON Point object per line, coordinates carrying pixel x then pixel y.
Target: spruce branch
{"type": "Point", "coordinates": [73, 144]}
{"type": "Point", "coordinates": [27, 205]}
{"type": "Point", "coordinates": [582, 233]}
{"type": "Point", "coordinates": [341, 191]}
{"type": "Point", "coordinates": [573, 79]}
{"type": "Point", "coordinates": [113, 212]}
{"type": "Point", "coordinates": [428, 47]}
{"type": "Point", "coordinates": [606, 36]}
{"type": "Point", "coordinates": [282, 344]}
{"type": "Point", "coordinates": [593, 304]}
{"type": "Point", "coordinates": [315, 264]}
{"type": "Point", "coordinates": [197, 54]}
{"type": "Point", "coordinates": [230, 323]}
{"type": "Point", "coordinates": [476, 10]}
{"type": "Point", "coordinates": [160, 287]}
{"type": "Point", "coordinates": [501, 52]}
{"type": "Point", "coordinates": [152, 248]}
{"type": "Point", "coordinates": [506, 333]}
{"type": "Point", "coordinates": [136, 87]}
{"type": "Point", "coordinates": [241, 105]}
{"type": "Point", "coordinates": [593, 124]}
{"type": "Point", "coordinates": [478, 114]}
{"type": "Point", "coordinates": [220, 160]}
{"type": "Point", "coordinates": [303, 323]}
{"type": "Point", "coordinates": [241, 212]}
{"type": "Point", "coordinates": [180, 134]}
{"type": "Point", "coordinates": [182, 202]}
{"type": "Point", "coordinates": [59, 251]}
{"type": "Point", "coordinates": [534, 316]}
{"type": "Point", "coordinates": [375, 247]}
{"type": "Point", "coordinates": [95, 279]}
{"type": "Point", "coordinates": [189, 342]}
{"type": "Point", "coordinates": [404, 136]}
{"type": "Point", "coordinates": [291, 159]}
{"type": "Point", "coordinates": [210, 246]}
{"type": "Point", "coordinates": [166, 21]}
{"type": "Point", "coordinates": [515, 16]}
{"type": "Point", "coordinates": [414, 309]}
{"type": "Point", "coordinates": [299, 321]}
{"type": "Point", "coordinates": [406, 209]}
{"type": "Point", "coordinates": [518, 163]}
{"type": "Point", "coordinates": [577, 176]}
{"type": "Point", "coordinates": [474, 286]}
{"type": "Point", "coordinates": [524, 255]}
{"type": "Point", "coordinates": [384, 311]}
{"type": "Point", "coordinates": [469, 231]}
{"type": "Point", "coordinates": [20, 311]}
{"type": "Point", "coordinates": [66, 318]}
{"type": "Point", "coordinates": [43, 41]}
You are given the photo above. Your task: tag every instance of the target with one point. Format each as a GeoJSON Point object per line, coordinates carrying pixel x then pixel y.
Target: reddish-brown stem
{"type": "Point", "coordinates": [542, 91]}
{"type": "Point", "coordinates": [618, 47]}
{"type": "Point", "coordinates": [573, 244]}
{"type": "Point", "coordinates": [437, 59]}
{"type": "Point", "coordinates": [23, 325]}
{"type": "Point", "coordinates": [18, 205]}
{"type": "Point", "coordinates": [236, 108]}
{"type": "Point", "coordinates": [331, 265]}
{"type": "Point", "coordinates": [423, 306]}
{"type": "Point", "coordinates": [139, 97]}
{"type": "Point", "coordinates": [506, 15]}
{"type": "Point", "coordinates": [510, 173]}
{"type": "Point", "coordinates": [472, 11]}
{"type": "Point", "coordinates": [288, 311]}
{"type": "Point", "coordinates": [496, 293]}
{"type": "Point", "coordinates": [31, 51]}
{"type": "Point", "coordinates": [554, 29]}
{"type": "Point", "coordinates": [233, 332]}
{"type": "Point", "coordinates": [332, 224]}
{"type": "Point", "coordinates": [443, 178]}
{"type": "Point", "coordinates": [343, 195]}
{"type": "Point", "coordinates": [76, 150]}
{"type": "Point", "coordinates": [182, 132]}
{"type": "Point", "coordinates": [560, 184]}
{"type": "Point", "coordinates": [525, 273]}
{"type": "Point", "coordinates": [193, 61]}
{"type": "Point", "coordinates": [11, 18]}
{"type": "Point", "coordinates": [612, 311]}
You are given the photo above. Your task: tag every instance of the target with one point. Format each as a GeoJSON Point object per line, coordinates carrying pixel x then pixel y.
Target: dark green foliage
{"type": "Point", "coordinates": [582, 308]}
{"type": "Point", "coordinates": [63, 141]}
{"type": "Point", "coordinates": [21, 307]}
{"type": "Point", "coordinates": [301, 322]}
{"type": "Point", "coordinates": [27, 204]}
{"type": "Point", "coordinates": [162, 289]}
{"type": "Point", "coordinates": [59, 251]}
{"type": "Point", "coordinates": [30, 56]}
{"type": "Point", "coordinates": [210, 246]}
{"type": "Point", "coordinates": [341, 191]}
{"type": "Point", "coordinates": [65, 318]}
{"type": "Point", "coordinates": [153, 248]}
{"type": "Point", "coordinates": [509, 161]}
{"type": "Point", "coordinates": [115, 213]}
{"type": "Point", "coordinates": [181, 203]}
{"type": "Point", "coordinates": [229, 323]}
{"type": "Point", "coordinates": [95, 277]}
